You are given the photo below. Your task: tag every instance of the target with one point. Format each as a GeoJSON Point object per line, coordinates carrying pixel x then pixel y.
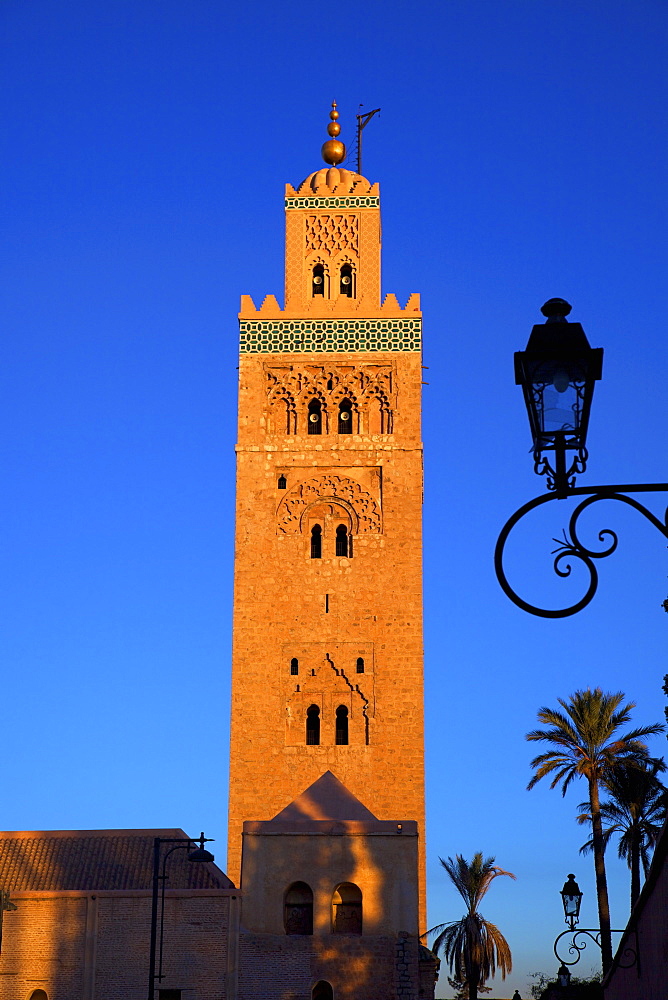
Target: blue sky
{"type": "Point", "coordinates": [522, 154]}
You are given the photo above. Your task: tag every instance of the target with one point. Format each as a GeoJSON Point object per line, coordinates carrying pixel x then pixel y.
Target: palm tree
{"type": "Point", "coordinates": [636, 811]}
{"type": "Point", "coordinates": [472, 946]}
{"type": "Point", "coordinates": [588, 744]}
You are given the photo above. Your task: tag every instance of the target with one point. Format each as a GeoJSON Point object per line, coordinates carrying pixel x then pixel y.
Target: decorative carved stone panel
{"type": "Point", "coordinates": [332, 233]}
{"type": "Point", "coordinates": [369, 388]}
{"type": "Point", "coordinates": [340, 490]}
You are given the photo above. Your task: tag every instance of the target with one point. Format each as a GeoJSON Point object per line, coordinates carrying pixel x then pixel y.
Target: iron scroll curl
{"type": "Point", "coordinates": [571, 547]}
{"type": "Point", "coordinates": [627, 960]}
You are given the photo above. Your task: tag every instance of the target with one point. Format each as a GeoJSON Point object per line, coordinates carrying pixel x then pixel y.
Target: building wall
{"type": "Point", "coordinates": [645, 939]}
{"type": "Point", "coordinates": [365, 968]}
{"type": "Point", "coordinates": [95, 946]}
{"type": "Point", "coordinates": [381, 864]}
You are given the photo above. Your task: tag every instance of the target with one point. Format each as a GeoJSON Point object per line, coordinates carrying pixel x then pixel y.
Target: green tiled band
{"type": "Point", "coordinates": [317, 336]}
{"type": "Point", "coordinates": [362, 201]}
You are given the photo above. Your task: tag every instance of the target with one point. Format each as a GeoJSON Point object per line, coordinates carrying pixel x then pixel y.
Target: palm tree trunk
{"type": "Point", "coordinates": [601, 881]}
{"type": "Point", "coordinates": [635, 867]}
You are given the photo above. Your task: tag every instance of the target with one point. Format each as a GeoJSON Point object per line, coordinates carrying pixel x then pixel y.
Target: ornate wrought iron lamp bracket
{"type": "Point", "coordinates": [571, 547]}
{"type": "Point", "coordinates": [627, 960]}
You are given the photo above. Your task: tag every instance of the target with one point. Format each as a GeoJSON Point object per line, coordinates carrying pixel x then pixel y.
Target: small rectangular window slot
{"type": "Point", "coordinates": [326, 603]}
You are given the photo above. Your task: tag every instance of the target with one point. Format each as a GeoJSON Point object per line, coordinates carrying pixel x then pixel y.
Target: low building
{"type": "Point", "coordinates": [77, 919]}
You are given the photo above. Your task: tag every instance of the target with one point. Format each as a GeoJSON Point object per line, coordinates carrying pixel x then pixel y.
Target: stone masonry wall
{"type": "Point", "coordinates": [326, 612]}
{"type": "Point", "coordinates": [95, 946]}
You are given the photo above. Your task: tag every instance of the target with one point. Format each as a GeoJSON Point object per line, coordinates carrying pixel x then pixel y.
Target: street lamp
{"type": "Point", "coordinates": [557, 372]}
{"type": "Point", "coordinates": [197, 855]}
{"type": "Point", "coordinates": [571, 897]}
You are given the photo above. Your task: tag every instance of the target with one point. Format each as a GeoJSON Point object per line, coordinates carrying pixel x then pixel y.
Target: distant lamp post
{"type": "Point", "coordinates": [564, 976]}
{"type": "Point", "coordinates": [557, 372]}
{"type": "Point", "coordinates": [195, 855]}
{"type": "Point", "coordinates": [571, 897]}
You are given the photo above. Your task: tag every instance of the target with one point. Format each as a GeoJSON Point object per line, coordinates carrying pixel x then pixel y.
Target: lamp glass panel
{"type": "Point", "coordinates": [571, 905]}
{"type": "Point", "coordinates": [560, 410]}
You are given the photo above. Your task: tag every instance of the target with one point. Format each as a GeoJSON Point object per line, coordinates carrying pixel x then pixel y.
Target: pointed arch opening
{"type": "Point", "coordinates": [347, 286]}
{"type": "Point", "coordinates": [313, 726]}
{"type": "Point", "coordinates": [316, 542]}
{"type": "Point", "coordinates": [294, 666]}
{"type": "Point", "coordinates": [318, 280]}
{"type": "Point", "coordinates": [345, 423]}
{"type": "Point", "coordinates": [347, 909]}
{"type": "Point", "coordinates": [360, 664]}
{"type": "Point", "coordinates": [343, 541]}
{"type": "Point", "coordinates": [315, 417]}
{"type": "Point", "coordinates": [342, 726]}
{"type": "Point", "coordinates": [298, 909]}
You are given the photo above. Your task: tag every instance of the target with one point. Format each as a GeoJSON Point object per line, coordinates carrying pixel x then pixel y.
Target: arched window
{"type": "Point", "coordinates": [318, 280]}
{"type": "Point", "coordinates": [342, 726]}
{"type": "Point", "coordinates": [298, 909]}
{"type": "Point", "coordinates": [315, 417]}
{"type": "Point", "coordinates": [322, 991]}
{"type": "Point", "coordinates": [316, 542]}
{"type": "Point", "coordinates": [360, 664]}
{"type": "Point", "coordinates": [347, 909]}
{"type": "Point", "coordinates": [38, 995]}
{"type": "Point", "coordinates": [345, 417]}
{"type": "Point", "coordinates": [313, 726]}
{"type": "Point", "coordinates": [347, 281]}
{"type": "Point", "coordinates": [294, 666]}
{"type": "Point", "coordinates": [342, 546]}
{"type": "Point", "coordinates": [282, 483]}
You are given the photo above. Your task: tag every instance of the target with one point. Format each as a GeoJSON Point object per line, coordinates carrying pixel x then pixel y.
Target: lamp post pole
{"type": "Point", "coordinates": [196, 855]}
{"type": "Point", "coordinates": [557, 372]}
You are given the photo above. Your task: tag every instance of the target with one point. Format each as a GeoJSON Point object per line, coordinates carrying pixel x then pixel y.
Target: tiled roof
{"type": "Point", "coordinates": [97, 860]}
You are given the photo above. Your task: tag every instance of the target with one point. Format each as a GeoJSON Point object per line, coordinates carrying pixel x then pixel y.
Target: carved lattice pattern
{"type": "Point", "coordinates": [331, 233]}
{"type": "Point", "coordinates": [339, 489]}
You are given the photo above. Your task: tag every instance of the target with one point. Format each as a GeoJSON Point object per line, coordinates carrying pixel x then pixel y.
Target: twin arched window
{"type": "Point", "coordinates": [344, 542]}
{"type": "Point", "coordinates": [315, 418]}
{"type": "Point", "coordinates": [313, 724]}
{"type": "Point", "coordinates": [320, 281]}
{"type": "Point", "coordinates": [298, 914]}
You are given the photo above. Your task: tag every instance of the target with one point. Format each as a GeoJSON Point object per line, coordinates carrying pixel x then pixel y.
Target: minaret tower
{"type": "Point", "coordinates": [327, 657]}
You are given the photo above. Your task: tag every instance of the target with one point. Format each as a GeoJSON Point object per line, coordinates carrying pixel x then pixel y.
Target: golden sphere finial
{"type": "Point", "coordinates": [333, 151]}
